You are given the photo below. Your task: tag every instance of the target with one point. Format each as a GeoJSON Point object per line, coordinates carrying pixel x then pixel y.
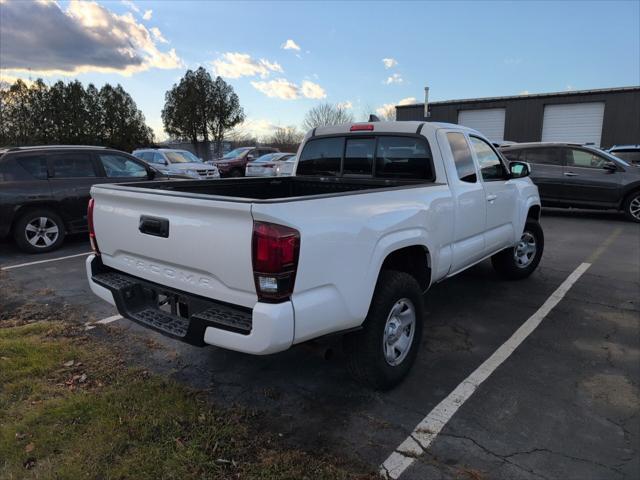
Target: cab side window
{"type": "Point", "coordinates": [462, 157]}
{"type": "Point", "coordinates": [491, 167]}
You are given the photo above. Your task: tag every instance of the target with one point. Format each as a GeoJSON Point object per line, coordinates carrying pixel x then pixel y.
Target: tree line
{"type": "Point", "coordinates": [197, 109]}
{"type": "Point", "coordinates": [69, 114]}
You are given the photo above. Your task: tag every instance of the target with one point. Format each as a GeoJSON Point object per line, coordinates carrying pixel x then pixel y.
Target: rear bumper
{"type": "Point", "coordinates": [267, 328]}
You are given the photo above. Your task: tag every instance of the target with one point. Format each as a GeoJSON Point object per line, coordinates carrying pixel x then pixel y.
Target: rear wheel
{"type": "Point", "coordinates": [632, 206]}
{"type": "Point", "coordinates": [382, 353]}
{"type": "Point", "coordinates": [520, 261]}
{"type": "Point", "coordinates": [39, 231]}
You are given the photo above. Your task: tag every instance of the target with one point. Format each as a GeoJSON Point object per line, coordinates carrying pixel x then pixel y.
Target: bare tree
{"type": "Point", "coordinates": [285, 138]}
{"type": "Point", "coordinates": [326, 114]}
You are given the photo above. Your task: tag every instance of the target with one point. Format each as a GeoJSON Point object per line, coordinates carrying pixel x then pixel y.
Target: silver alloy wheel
{"type": "Point", "coordinates": [41, 232]}
{"type": "Point", "coordinates": [399, 331]}
{"type": "Point", "coordinates": [634, 207]}
{"type": "Point", "coordinates": [525, 251]}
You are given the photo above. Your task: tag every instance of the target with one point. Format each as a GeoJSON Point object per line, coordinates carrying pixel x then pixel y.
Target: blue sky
{"type": "Point", "coordinates": [459, 49]}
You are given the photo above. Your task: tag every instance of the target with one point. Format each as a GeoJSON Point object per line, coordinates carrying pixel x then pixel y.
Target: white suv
{"type": "Point", "coordinates": [173, 161]}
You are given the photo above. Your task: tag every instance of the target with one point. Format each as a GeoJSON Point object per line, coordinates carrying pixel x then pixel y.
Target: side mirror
{"type": "Point", "coordinates": [519, 169]}
{"type": "Point", "coordinates": [151, 173]}
{"type": "Point", "coordinates": [610, 166]}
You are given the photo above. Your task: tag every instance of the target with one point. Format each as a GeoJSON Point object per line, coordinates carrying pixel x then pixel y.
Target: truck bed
{"type": "Point", "coordinates": [269, 189]}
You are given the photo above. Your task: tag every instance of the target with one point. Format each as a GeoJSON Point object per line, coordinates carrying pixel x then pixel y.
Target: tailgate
{"type": "Point", "coordinates": [196, 245]}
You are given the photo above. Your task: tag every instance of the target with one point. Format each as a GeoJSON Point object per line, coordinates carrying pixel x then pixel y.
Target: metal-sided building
{"type": "Point", "coordinates": [604, 117]}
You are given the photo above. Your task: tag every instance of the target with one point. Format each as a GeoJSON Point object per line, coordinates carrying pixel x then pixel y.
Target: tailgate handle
{"type": "Point", "coordinates": [156, 226]}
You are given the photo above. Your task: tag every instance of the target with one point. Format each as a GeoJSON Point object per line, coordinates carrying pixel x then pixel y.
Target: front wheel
{"type": "Point", "coordinates": [520, 261]}
{"type": "Point", "coordinates": [382, 353]}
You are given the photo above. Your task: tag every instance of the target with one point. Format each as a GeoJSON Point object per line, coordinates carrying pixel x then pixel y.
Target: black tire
{"type": "Point", "coordinates": [236, 172]}
{"type": "Point", "coordinates": [39, 241]}
{"type": "Point", "coordinates": [631, 206]}
{"type": "Point", "coordinates": [365, 349]}
{"type": "Point", "coordinates": [505, 261]}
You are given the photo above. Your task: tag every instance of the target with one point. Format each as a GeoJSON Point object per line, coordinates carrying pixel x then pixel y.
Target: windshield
{"type": "Point", "coordinates": [236, 153]}
{"type": "Point", "coordinates": [182, 157]}
{"type": "Point", "coordinates": [269, 157]}
{"type": "Point", "coordinates": [628, 155]}
{"type": "Point", "coordinates": [612, 158]}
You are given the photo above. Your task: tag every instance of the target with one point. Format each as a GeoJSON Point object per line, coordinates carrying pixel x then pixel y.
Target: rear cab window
{"type": "Point", "coordinates": [405, 157]}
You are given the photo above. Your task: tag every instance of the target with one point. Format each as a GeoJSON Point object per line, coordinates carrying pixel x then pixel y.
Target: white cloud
{"type": "Point", "coordinates": [290, 45]}
{"type": "Point", "coordinates": [395, 78]}
{"type": "Point", "coordinates": [235, 65]}
{"type": "Point", "coordinates": [147, 14]}
{"type": "Point", "coordinates": [286, 90]}
{"type": "Point", "coordinates": [157, 34]}
{"type": "Point", "coordinates": [512, 61]}
{"type": "Point", "coordinates": [345, 105]}
{"type": "Point", "coordinates": [11, 79]}
{"type": "Point", "coordinates": [130, 5]}
{"type": "Point", "coordinates": [387, 111]}
{"type": "Point", "coordinates": [389, 62]}
{"type": "Point", "coordinates": [524, 92]}
{"type": "Point", "coordinates": [254, 127]}
{"type": "Point", "coordinates": [279, 88]}
{"type": "Point", "coordinates": [312, 90]}
{"type": "Point", "coordinates": [408, 101]}
{"type": "Point", "coordinates": [111, 43]}
{"type": "Point", "coordinates": [570, 88]}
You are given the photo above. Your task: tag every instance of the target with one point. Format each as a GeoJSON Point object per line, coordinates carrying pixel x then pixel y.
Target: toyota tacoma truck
{"type": "Point", "coordinates": [375, 214]}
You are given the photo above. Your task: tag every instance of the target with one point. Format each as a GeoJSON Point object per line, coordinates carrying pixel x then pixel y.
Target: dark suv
{"type": "Point", "coordinates": [572, 175]}
{"type": "Point", "coordinates": [44, 191]}
{"type": "Point", "coordinates": [234, 163]}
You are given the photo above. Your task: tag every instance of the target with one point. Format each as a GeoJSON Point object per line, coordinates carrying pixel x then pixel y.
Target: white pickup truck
{"type": "Point", "coordinates": [376, 213]}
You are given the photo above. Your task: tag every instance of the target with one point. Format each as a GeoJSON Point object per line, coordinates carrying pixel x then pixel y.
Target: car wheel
{"type": "Point", "coordinates": [520, 261]}
{"type": "Point", "coordinates": [39, 231]}
{"type": "Point", "coordinates": [382, 353]}
{"type": "Point", "coordinates": [236, 172]}
{"type": "Point", "coordinates": [632, 206]}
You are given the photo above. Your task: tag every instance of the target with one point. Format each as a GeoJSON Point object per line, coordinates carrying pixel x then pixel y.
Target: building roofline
{"type": "Point", "coordinates": [533, 95]}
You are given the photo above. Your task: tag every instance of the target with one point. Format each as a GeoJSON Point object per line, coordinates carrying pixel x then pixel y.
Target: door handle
{"type": "Point", "coordinates": [570, 174]}
{"type": "Point", "coordinates": [491, 198]}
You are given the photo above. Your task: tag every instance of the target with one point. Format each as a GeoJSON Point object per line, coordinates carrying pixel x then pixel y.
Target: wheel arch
{"type": "Point", "coordinates": [23, 209]}
{"type": "Point", "coordinates": [414, 260]}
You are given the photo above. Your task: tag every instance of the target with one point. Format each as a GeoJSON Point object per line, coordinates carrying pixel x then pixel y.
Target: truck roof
{"type": "Point", "coordinates": [388, 127]}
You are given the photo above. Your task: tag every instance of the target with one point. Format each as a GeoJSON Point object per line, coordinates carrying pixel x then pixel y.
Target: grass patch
{"type": "Point", "coordinates": [70, 407]}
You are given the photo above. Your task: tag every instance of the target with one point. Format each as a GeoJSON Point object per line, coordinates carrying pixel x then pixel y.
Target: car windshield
{"type": "Point", "coordinates": [612, 158]}
{"type": "Point", "coordinates": [269, 157]}
{"type": "Point", "coordinates": [182, 157]}
{"type": "Point", "coordinates": [236, 153]}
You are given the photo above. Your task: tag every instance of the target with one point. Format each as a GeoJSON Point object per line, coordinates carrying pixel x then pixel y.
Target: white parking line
{"type": "Point", "coordinates": [427, 430]}
{"type": "Point", "coordinates": [10, 267]}
{"type": "Point", "coordinates": [104, 321]}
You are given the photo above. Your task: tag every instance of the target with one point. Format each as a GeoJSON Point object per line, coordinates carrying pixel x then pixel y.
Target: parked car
{"type": "Point", "coordinates": [44, 190]}
{"type": "Point", "coordinates": [285, 169]}
{"type": "Point", "coordinates": [376, 214]}
{"type": "Point", "coordinates": [234, 163]}
{"type": "Point", "coordinates": [265, 166]}
{"type": "Point", "coordinates": [572, 175]}
{"type": "Point", "coordinates": [628, 153]}
{"type": "Point", "coordinates": [173, 161]}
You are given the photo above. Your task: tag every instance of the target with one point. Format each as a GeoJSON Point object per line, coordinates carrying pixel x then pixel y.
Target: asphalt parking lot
{"type": "Point", "coordinates": [563, 405]}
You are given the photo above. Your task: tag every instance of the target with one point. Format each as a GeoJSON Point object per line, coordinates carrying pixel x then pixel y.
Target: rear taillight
{"type": "Point", "coordinates": [92, 232]}
{"type": "Point", "coordinates": [275, 260]}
